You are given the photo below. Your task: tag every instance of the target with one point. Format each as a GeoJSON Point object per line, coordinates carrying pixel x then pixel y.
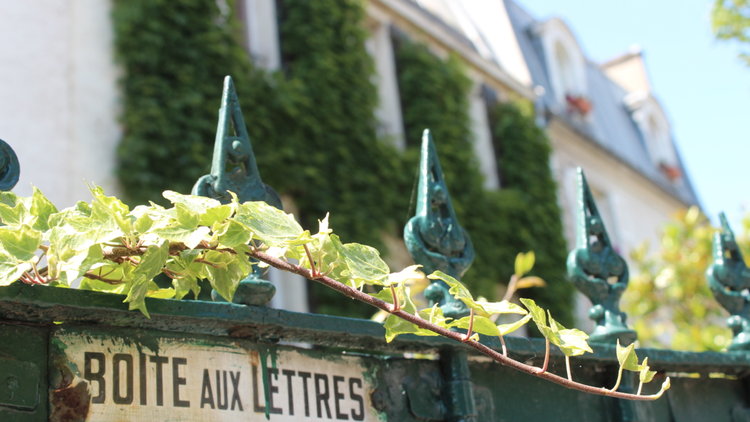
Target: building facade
{"type": "Point", "coordinates": [59, 102]}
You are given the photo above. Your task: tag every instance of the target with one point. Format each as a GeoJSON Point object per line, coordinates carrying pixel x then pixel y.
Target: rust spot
{"type": "Point", "coordinates": [71, 404]}
{"type": "Point", "coordinates": [254, 358]}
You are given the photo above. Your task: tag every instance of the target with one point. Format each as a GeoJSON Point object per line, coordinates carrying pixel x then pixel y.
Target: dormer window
{"type": "Point", "coordinates": [566, 65]}
{"type": "Point", "coordinates": [656, 132]}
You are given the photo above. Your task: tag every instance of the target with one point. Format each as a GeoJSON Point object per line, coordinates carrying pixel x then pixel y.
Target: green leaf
{"type": "Point", "coordinates": [41, 208]}
{"type": "Point", "coordinates": [196, 204]}
{"type": "Point", "coordinates": [143, 224]}
{"type": "Point", "coordinates": [185, 217]}
{"type": "Point", "coordinates": [190, 237]}
{"type": "Point", "coordinates": [627, 357]}
{"type": "Point", "coordinates": [395, 326]}
{"type": "Point", "coordinates": [532, 281]}
{"type": "Point", "coordinates": [482, 325]}
{"type": "Point", "coordinates": [435, 316]}
{"type": "Point", "coordinates": [270, 225]}
{"type": "Point", "coordinates": [21, 243]}
{"type": "Point", "coordinates": [537, 314]}
{"type": "Point", "coordinates": [234, 234]}
{"type": "Point", "coordinates": [161, 293]}
{"type": "Point", "coordinates": [509, 328]}
{"type": "Point", "coordinates": [229, 273]}
{"type": "Point", "coordinates": [573, 342]}
{"type": "Point", "coordinates": [148, 267]}
{"type": "Point", "coordinates": [11, 270]}
{"type": "Point", "coordinates": [16, 215]}
{"type": "Point", "coordinates": [503, 307]}
{"type": "Point", "coordinates": [152, 261]}
{"type": "Point", "coordinates": [215, 215]}
{"type": "Point", "coordinates": [104, 208]}
{"type": "Point", "coordinates": [462, 293]}
{"type": "Point", "coordinates": [363, 264]}
{"type": "Point", "coordinates": [645, 374]}
{"type": "Point", "coordinates": [524, 263]}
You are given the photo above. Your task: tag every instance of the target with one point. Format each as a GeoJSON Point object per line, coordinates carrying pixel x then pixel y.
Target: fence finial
{"type": "Point", "coordinates": [234, 169]}
{"type": "Point", "coordinates": [598, 271]}
{"type": "Point", "coordinates": [10, 170]}
{"type": "Point", "coordinates": [729, 280]}
{"type": "Point", "coordinates": [433, 236]}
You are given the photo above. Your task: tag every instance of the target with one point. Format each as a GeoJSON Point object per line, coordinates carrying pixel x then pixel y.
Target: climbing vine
{"type": "Point", "coordinates": [119, 250]}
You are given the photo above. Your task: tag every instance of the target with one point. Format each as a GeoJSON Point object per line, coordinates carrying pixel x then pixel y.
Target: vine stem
{"type": "Point", "coordinates": [396, 303]}
{"type": "Point", "coordinates": [422, 323]}
{"type": "Point", "coordinates": [505, 349]}
{"type": "Point", "coordinates": [567, 366]}
{"type": "Point", "coordinates": [314, 273]}
{"type": "Point", "coordinates": [546, 356]}
{"type": "Point", "coordinates": [467, 337]}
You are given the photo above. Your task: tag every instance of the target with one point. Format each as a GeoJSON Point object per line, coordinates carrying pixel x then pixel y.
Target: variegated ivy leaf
{"type": "Point", "coordinates": [509, 328]}
{"type": "Point", "coordinates": [271, 225]}
{"type": "Point", "coordinates": [462, 293]}
{"type": "Point", "coordinates": [572, 342]}
{"type": "Point", "coordinates": [627, 357]}
{"type": "Point", "coordinates": [395, 326]}
{"type": "Point", "coordinates": [363, 264]}
{"type": "Point", "coordinates": [645, 374]}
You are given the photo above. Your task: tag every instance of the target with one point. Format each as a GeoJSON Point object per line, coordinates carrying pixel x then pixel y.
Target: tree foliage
{"type": "Point", "coordinates": [730, 21]}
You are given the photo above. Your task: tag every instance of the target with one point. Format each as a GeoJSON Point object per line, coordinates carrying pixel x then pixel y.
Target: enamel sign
{"type": "Point", "coordinates": [191, 379]}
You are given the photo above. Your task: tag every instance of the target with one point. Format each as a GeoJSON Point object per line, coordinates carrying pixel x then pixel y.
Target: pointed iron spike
{"type": "Point", "coordinates": [591, 266]}
{"type": "Point", "coordinates": [234, 169]}
{"type": "Point", "coordinates": [728, 278]}
{"type": "Point", "coordinates": [433, 236]}
{"type": "Point", "coordinates": [725, 224]}
{"type": "Point", "coordinates": [234, 150]}
{"type": "Point", "coordinates": [588, 215]}
{"type": "Point", "coordinates": [10, 169]}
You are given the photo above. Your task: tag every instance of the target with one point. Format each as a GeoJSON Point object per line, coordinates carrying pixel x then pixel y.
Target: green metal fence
{"type": "Point", "coordinates": [73, 355]}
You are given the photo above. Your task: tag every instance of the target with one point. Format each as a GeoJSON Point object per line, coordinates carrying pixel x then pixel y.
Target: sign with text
{"type": "Point", "coordinates": [152, 378]}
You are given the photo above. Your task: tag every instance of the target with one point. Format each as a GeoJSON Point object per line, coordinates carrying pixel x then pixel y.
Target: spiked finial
{"type": "Point", "coordinates": [433, 236]}
{"type": "Point", "coordinates": [10, 170]}
{"type": "Point", "coordinates": [598, 271]}
{"type": "Point", "coordinates": [234, 169]}
{"type": "Point", "coordinates": [729, 280]}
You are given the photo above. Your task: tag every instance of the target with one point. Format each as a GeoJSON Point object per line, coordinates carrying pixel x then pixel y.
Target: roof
{"type": "Point", "coordinates": [611, 125]}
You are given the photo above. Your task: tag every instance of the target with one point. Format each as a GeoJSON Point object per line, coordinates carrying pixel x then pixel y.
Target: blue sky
{"type": "Point", "coordinates": [703, 87]}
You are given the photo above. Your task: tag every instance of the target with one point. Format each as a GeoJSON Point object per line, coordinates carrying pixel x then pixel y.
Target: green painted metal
{"type": "Point", "coordinates": [729, 280]}
{"type": "Point", "coordinates": [598, 271]}
{"type": "Point", "coordinates": [234, 169]}
{"type": "Point", "coordinates": [10, 170]}
{"type": "Point", "coordinates": [433, 236]}
{"type": "Point", "coordinates": [436, 241]}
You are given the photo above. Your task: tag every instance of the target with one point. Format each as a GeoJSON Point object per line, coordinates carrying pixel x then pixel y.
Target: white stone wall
{"type": "Point", "coordinates": [58, 95]}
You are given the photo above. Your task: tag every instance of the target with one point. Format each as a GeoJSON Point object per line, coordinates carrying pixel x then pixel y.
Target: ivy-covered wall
{"type": "Point", "coordinates": [313, 130]}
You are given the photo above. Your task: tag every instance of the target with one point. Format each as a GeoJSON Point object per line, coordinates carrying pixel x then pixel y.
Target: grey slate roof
{"type": "Point", "coordinates": [611, 126]}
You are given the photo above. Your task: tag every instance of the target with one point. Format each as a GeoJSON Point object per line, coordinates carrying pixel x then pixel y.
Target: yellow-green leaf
{"type": "Point", "coordinates": [509, 328]}
{"type": "Point", "coordinates": [627, 357]}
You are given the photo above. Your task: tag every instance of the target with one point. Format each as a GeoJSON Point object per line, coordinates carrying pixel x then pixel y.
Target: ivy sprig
{"type": "Point", "coordinates": [114, 249]}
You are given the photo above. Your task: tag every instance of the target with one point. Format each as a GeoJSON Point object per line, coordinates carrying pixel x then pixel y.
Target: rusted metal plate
{"type": "Point", "coordinates": [125, 374]}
